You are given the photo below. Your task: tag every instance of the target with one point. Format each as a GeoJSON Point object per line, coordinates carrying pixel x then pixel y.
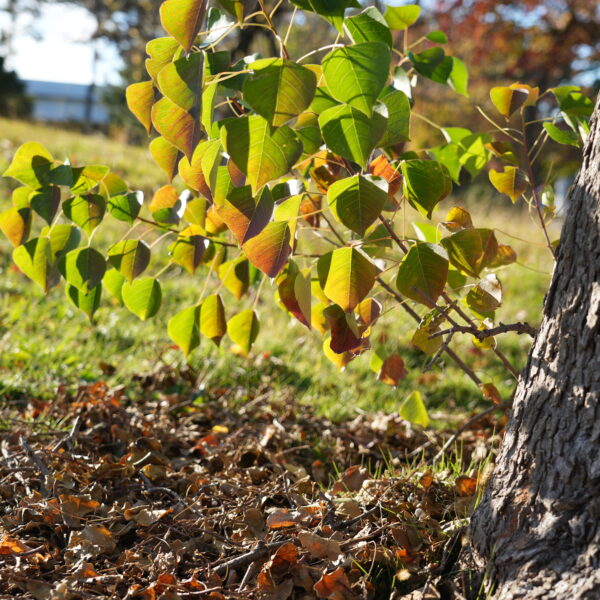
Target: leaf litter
{"type": "Point", "coordinates": [106, 493]}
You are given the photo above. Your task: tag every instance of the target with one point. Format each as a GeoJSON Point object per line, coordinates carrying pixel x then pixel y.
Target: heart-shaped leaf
{"type": "Point", "coordinates": [401, 17]}
{"type": "Point", "coordinates": [15, 224]}
{"type": "Point", "coordinates": [368, 311]}
{"type": "Point", "coordinates": [45, 202]}
{"type": "Point", "coordinates": [142, 297]}
{"type": "Point", "coordinates": [471, 250]}
{"type": "Point", "coordinates": [235, 275]}
{"type": "Point", "coordinates": [357, 201]}
{"type": "Point", "coordinates": [161, 51]}
{"type": "Point", "coordinates": [188, 250]}
{"type": "Point", "coordinates": [130, 258]}
{"type": "Point", "coordinates": [433, 64]}
{"type": "Point", "coordinates": [34, 260]}
{"type": "Point", "coordinates": [165, 155]}
{"type": "Point", "coordinates": [368, 26]}
{"type": "Point", "coordinates": [459, 77]}
{"type": "Point", "coordinates": [126, 207]}
{"type": "Point", "coordinates": [511, 181]}
{"type": "Point", "coordinates": [398, 118]}
{"type": "Point", "coordinates": [261, 154]}
{"type": "Point", "coordinates": [413, 409]}
{"type": "Point", "coordinates": [270, 249]}
{"type": "Point", "coordinates": [392, 370]}
{"type": "Point", "coordinates": [30, 165]}
{"type": "Point", "coordinates": [140, 98]}
{"type": "Point", "coordinates": [279, 89]}
{"type": "Point", "coordinates": [113, 282]}
{"type": "Point", "coordinates": [485, 297]}
{"type": "Point", "coordinates": [181, 82]}
{"type": "Point", "coordinates": [346, 276]}
{"type": "Point", "coordinates": [85, 211]}
{"type": "Point", "coordinates": [245, 216]}
{"type": "Point", "coordinates": [294, 293]}
{"type": "Point", "coordinates": [426, 183]}
{"type": "Point", "coordinates": [176, 125]}
{"type": "Point", "coordinates": [182, 19]}
{"type": "Point", "coordinates": [562, 136]}
{"type": "Point", "coordinates": [357, 74]}
{"type": "Point", "coordinates": [165, 205]}
{"type": "Point", "coordinates": [213, 324]}
{"type": "Point", "coordinates": [184, 329]}
{"type": "Point", "coordinates": [63, 239]}
{"type": "Point", "coordinates": [350, 133]}
{"type": "Point", "coordinates": [87, 303]}
{"type": "Point", "coordinates": [339, 360]}
{"type": "Point", "coordinates": [507, 100]}
{"type": "Point", "coordinates": [243, 329]}
{"type": "Point", "coordinates": [83, 267]}
{"type": "Point", "coordinates": [344, 330]}
{"type": "Point", "coordinates": [423, 273]}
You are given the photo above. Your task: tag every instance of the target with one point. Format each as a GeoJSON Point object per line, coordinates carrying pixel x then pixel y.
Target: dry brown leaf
{"type": "Point", "coordinates": [392, 370]}
{"type": "Point", "coordinates": [351, 480]}
{"type": "Point", "coordinates": [280, 518]}
{"type": "Point", "coordinates": [73, 508]}
{"type": "Point", "coordinates": [334, 586]}
{"type": "Point", "coordinates": [466, 486]}
{"type": "Point", "coordinates": [319, 547]}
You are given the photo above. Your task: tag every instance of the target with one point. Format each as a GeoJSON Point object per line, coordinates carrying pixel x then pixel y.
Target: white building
{"type": "Point", "coordinates": [66, 102]}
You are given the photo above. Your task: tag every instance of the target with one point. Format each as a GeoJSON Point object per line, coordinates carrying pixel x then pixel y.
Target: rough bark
{"type": "Point", "coordinates": [538, 526]}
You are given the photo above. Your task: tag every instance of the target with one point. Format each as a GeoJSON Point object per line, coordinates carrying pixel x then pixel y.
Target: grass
{"type": "Point", "coordinates": [45, 341]}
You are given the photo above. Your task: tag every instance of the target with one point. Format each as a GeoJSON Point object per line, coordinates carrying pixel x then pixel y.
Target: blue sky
{"type": "Point", "coordinates": [62, 54]}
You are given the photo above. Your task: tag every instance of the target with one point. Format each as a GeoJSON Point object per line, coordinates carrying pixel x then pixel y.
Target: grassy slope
{"type": "Point", "coordinates": [44, 341]}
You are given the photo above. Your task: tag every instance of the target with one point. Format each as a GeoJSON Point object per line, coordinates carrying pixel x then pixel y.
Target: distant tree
{"type": "Point", "coordinates": [13, 100]}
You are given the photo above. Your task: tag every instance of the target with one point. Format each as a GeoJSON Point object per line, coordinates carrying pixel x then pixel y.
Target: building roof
{"type": "Point", "coordinates": [57, 90]}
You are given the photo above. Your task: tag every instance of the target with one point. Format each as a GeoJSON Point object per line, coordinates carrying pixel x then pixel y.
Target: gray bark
{"type": "Point", "coordinates": [538, 526]}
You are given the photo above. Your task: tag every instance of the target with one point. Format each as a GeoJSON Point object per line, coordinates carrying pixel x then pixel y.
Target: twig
{"type": "Point", "coordinates": [482, 334]}
{"type": "Point", "coordinates": [261, 551]}
{"type": "Point", "coordinates": [346, 524]}
{"type": "Point", "coordinates": [466, 425]}
{"type": "Point", "coordinates": [68, 439]}
{"type": "Point", "coordinates": [33, 457]}
{"type": "Point", "coordinates": [21, 554]}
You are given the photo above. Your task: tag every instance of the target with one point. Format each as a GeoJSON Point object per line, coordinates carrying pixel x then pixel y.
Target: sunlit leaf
{"type": "Point", "coordinates": [413, 409]}
{"type": "Point", "coordinates": [423, 273]}
{"type": "Point", "coordinates": [235, 275]}
{"type": "Point", "coordinates": [368, 26]}
{"type": "Point", "coordinates": [339, 360]}
{"type": "Point", "coordinates": [165, 205]}
{"type": "Point", "coordinates": [165, 155]}
{"type": "Point", "coordinates": [113, 282]}
{"type": "Point", "coordinates": [562, 136]}
{"type": "Point", "coordinates": [140, 98]}
{"type": "Point", "coordinates": [269, 249]}
{"type": "Point", "coordinates": [176, 125]}
{"type": "Point", "coordinates": [459, 77]}
{"type": "Point", "coordinates": [392, 370]}
{"type": "Point", "coordinates": [511, 181]}
{"type": "Point", "coordinates": [45, 202]}
{"type": "Point", "coordinates": [30, 165]}
{"type": "Point", "coordinates": [433, 64]}
{"type": "Point", "coordinates": [130, 258]}
{"type": "Point", "coordinates": [15, 224]}
{"type": "Point", "coordinates": [243, 329]}
{"type": "Point", "coordinates": [125, 207]}
{"type": "Point", "coordinates": [83, 267]}
{"type": "Point", "coordinates": [507, 100]}
{"type": "Point", "coordinates": [345, 335]}
{"type": "Point", "coordinates": [368, 310]}
{"type": "Point", "coordinates": [142, 297]}
{"type": "Point", "coordinates": [294, 293]}
{"type": "Point", "coordinates": [188, 250]}
{"type": "Point", "coordinates": [85, 211]}
{"type": "Point", "coordinates": [457, 218]}
{"type": "Point", "coordinates": [401, 17]}
{"type": "Point", "coordinates": [357, 74]}
{"type": "Point", "coordinates": [471, 250]}
{"type": "Point", "coordinates": [183, 19]}
{"type": "Point", "coordinates": [181, 82]}
{"type": "Point", "coordinates": [244, 215]}
{"type": "Point", "coordinates": [398, 114]}
{"type": "Point", "coordinates": [486, 296]}
{"type": "Point", "coordinates": [426, 183]}
{"type": "Point", "coordinates": [184, 329]}
{"type": "Point", "coordinates": [88, 302]}
{"type": "Point", "coordinates": [213, 324]}
{"type": "Point", "coordinates": [346, 276]}
{"type": "Point", "coordinates": [161, 51]}
{"type": "Point", "coordinates": [63, 238]}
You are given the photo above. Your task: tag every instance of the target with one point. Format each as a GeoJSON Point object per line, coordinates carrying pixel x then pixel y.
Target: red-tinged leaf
{"type": "Point", "coordinates": [281, 518]}
{"type": "Point", "coordinates": [490, 392]}
{"type": "Point", "coordinates": [192, 173]}
{"type": "Point", "coordinates": [344, 330]}
{"type": "Point", "coordinates": [466, 486]}
{"type": "Point", "coordinates": [339, 360]}
{"type": "Point", "coordinates": [181, 82]}
{"type": "Point", "coordinates": [165, 155]}
{"type": "Point", "coordinates": [351, 480]}
{"type": "Point", "coordinates": [183, 19]}
{"type": "Point", "coordinates": [270, 249]}
{"type": "Point", "coordinates": [15, 224]}
{"type": "Point", "coordinates": [294, 293]}
{"type": "Point", "coordinates": [176, 125]}
{"type": "Point", "coordinates": [334, 586]}
{"type": "Point", "coordinates": [381, 167]}
{"type": "Point", "coordinates": [505, 256]}
{"type": "Point", "coordinates": [246, 216]}
{"type": "Point", "coordinates": [161, 51]}
{"type": "Point", "coordinates": [368, 311]}
{"type": "Point", "coordinates": [164, 204]}
{"type": "Point", "coordinates": [457, 218]}
{"type": "Point", "coordinates": [392, 370]}
{"type": "Point", "coordinates": [140, 98]}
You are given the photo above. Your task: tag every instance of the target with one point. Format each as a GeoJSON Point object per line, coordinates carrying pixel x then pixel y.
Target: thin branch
{"type": "Point", "coordinates": [482, 334]}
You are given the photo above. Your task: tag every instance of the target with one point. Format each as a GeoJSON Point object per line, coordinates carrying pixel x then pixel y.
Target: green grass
{"type": "Point", "coordinates": [45, 341]}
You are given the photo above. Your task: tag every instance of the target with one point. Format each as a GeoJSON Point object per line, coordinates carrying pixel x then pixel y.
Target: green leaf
{"type": "Point", "coordinates": [423, 273]}
{"type": "Point", "coordinates": [15, 224]}
{"type": "Point", "coordinates": [270, 249]}
{"type": "Point", "coordinates": [261, 154]}
{"type": "Point", "coordinates": [20, 197]}
{"type": "Point", "coordinates": [176, 125]}
{"type": "Point", "coordinates": [511, 181]}
{"type": "Point", "coordinates": [45, 202]}
{"type": "Point", "coordinates": [165, 155]}
{"type": "Point", "coordinates": [191, 171]}
{"type": "Point", "coordinates": [30, 165]}
{"type": "Point", "coordinates": [140, 98]}
{"type": "Point", "coordinates": [401, 17]}
{"type": "Point", "coordinates": [459, 77]}
{"type": "Point", "coordinates": [161, 51]}
{"type": "Point", "coordinates": [34, 259]}
{"type": "Point", "coordinates": [350, 133]}
{"type": "Point", "coordinates": [181, 82]}
{"type": "Point", "coordinates": [130, 258]}
{"type": "Point", "coordinates": [357, 74]}
{"type": "Point", "coordinates": [346, 276]}
{"type": "Point", "coordinates": [212, 318]}
{"type": "Point", "coordinates": [433, 64]}
{"type": "Point", "coordinates": [398, 115]}
{"type": "Point", "coordinates": [279, 89]}
{"type": "Point", "coordinates": [85, 211]}
{"type": "Point", "coordinates": [113, 282]}
{"type": "Point", "coordinates": [124, 208]}
{"type": "Point", "coordinates": [368, 26]}
{"type": "Point", "coordinates": [243, 329]}
{"type": "Point", "coordinates": [413, 409]}
{"type": "Point", "coordinates": [87, 303]}
{"type": "Point", "coordinates": [83, 267]}
{"type": "Point", "coordinates": [188, 250]}
{"type": "Point", "coordinates": [235, 275]}
{"type": "Point", "coordinates": [165, 205]}
{"type": "Point", "coordinates": [438, 37]}
{"type": "Point", "coordinates": [485, 297]}
{"type": "Point", "coordinates": [142, 297]}
{"type": "Point", "coordinates": [87, 178]}
{"type": "Point", "coordinates": [245, 216]}
{"type": "Point", "coordinates": [184, 329]}
{"type": "Point", "coordinates": [294, 293]}
{"type": "Point", "coordinates": [426, 183]}
{"type": "Point", "coordinates": [357, 201]}
{"type": "Point", "coordinates": [183, 19]}
{"type": "Point", "coordinates": [331, 10]}
{"type": "Point", "coordinates": [562, 136]}
{"type": "Point", "coordinates": [471, 250]}
{"type": "Point", "coordinates": [238, 8]}
{"type": "Point", "coordinates": [63, 239]}
{"type": "Point", "coordinates": [507, 100]}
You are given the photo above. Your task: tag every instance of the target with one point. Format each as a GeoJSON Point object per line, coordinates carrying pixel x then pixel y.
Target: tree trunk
{"type": "Point", "coordinates": [538, 526]}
